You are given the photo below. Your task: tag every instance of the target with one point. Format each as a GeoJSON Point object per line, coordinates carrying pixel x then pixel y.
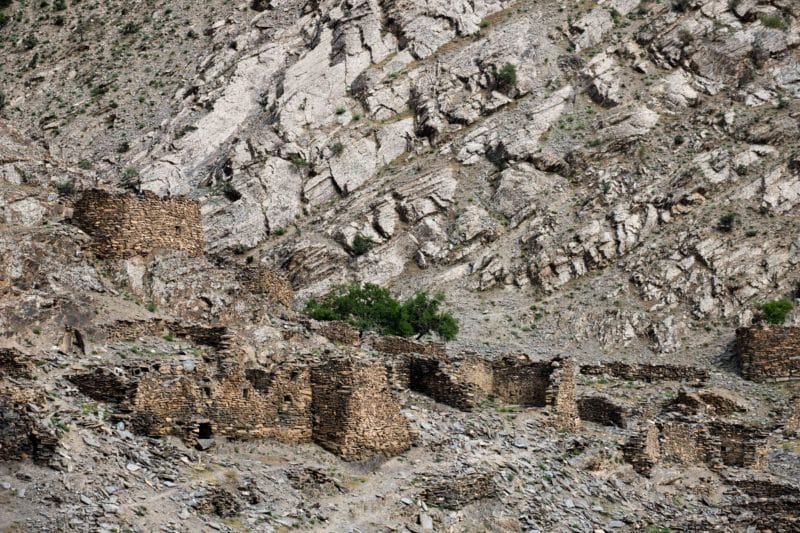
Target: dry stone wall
{"type": "Point", "coordinates": [14, 363]}
{"type": "Point", "coordinates": [22, 435]}
{"type": "Point", "coordinates": [465, 381]}
{"type": "Point", "coordinates": [602, 410]}
{"type": "Point", "coordinates": [646, 372]}
{"type": "Point", "coordinates": [456, 491]}
{"type": "Point", "coordinates": [689, 441]}
{"type": "Point", "coordinates": [216, 337]}
{"type": "Point", "coordinates": [393, 345]}
{"type": "Point", "coordinates": [355, 414]}
{"type": "Point", "coordinates": [236, 402]}
{"type": "Point", "coordinates": [262, 280]}
{"type": "Point", "coordinates": [124, 225]}
{"type": "Point", "coordinates": [429, 377]}
{"type": "Point", "coordinates": [769, 353]}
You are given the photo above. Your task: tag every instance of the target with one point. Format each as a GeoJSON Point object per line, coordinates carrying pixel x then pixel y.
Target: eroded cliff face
{"type": "Point", "coordinates": [600, 171]}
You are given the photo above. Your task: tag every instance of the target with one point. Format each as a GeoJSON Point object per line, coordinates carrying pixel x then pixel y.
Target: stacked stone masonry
{"type": "Point", "coordinates": [125, 225]}
{"type": "Point", "coordinates": [336, 331]}
{"type": "Point", "coordinates": [394, 345]}
{"type": "Point", "coordinates": [14, 363]}
{"type": "Point", "coordinates": [262, 280]}
{"type": "Point", "coordinates": [454, 492]}
{"type": "Point", "coordinates": [234, 402]}
{"type": "Point", "coordinates": [464, 382]}
{"type": "Point", "coordinates": [774, 501]}
{"type": "Point", "coordinates": [22, 435]}
{"type": "Point", "coordinates": [355, 414]}
{"type": "Point", "coordinates": [646, 372]}
{"type": "Point", "coordinates": [602, 410]}
{"type": "Point", "coordinates": [768, 353]}
{"type": "Point", "coordinates": [688, 441]}
{"type": "Point", "coordinates": [216, 337]}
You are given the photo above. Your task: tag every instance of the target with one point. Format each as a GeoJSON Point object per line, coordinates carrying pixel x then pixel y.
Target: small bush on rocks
{"type": "Point", "coordinates": [507, 77]}
{"type": "Point", "coordinates": [775, 311]}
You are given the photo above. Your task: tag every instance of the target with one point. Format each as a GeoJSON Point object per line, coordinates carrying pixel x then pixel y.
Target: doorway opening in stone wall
{"type": "Point", "coordinates": [204, 430]}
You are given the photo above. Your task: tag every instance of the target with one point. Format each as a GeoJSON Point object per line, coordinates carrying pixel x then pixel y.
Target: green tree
{"type": "Point", "coordinates": [371, 307]}
{"type": "Point", "coordinates": [425, 316]}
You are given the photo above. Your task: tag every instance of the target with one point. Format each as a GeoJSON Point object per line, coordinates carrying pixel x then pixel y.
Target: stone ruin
{"type": "Point", "coordinates": [646, 372]}
{"type": "Point", "coordinates": [680, 440]}
{"type": "Point", "coordinates": [14, 363]}
{"type": "Point", "coordinates": [459, 490]}
{"type": "Point", "coordinates": [22, 434]}
{"type": "Point", "coordinates": [199, 401]}
{"type": "Point", "coordinates": [517, 380]}
{"type": "Point", "coordinates": [124, 225]}
{"type": "Point", "coordinates": [768, 353]}
{"type": "Point", "coordinates": [344, 404]}
{"type": "Point", "coordinates": [603, 410]}
{"type": "Point", "coordinates": [716, 402]}
{"type": "Point", "coordinates": [217, 337]}
{"type": "Point", "coordinates": [262, 280]}
{"type": "Point", "coordinates": [769, 499]}
{"type": "Point", "coordinates": [355, 414]}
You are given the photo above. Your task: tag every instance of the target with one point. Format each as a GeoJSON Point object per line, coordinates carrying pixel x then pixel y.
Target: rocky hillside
{"type": "Point", "coordinates": [516, 154]}
{"type": "Point", "coordinates": [613, 180]}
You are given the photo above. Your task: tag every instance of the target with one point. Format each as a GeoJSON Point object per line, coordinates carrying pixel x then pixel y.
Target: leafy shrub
{"type": "Point", "coordinates": [229, 191]}
{"type": "Point", "coordinates": [130, 173]}
{"type": "Point", "coordinates": [29, 42]}
{"type": "Point", "coordinates": [337, 148]}
{"type": "Point", "coordinates": [299, 161]}
{"type": "Point", "coordinates": [65, 188]}
{"type": "Point", "coordinates": [681, 5]}
{"type": "Point", "coordinates": [371, 307]}
{"type": "Point", "coordinates": [129, 28]}
{"type": "Point", "coordinates": [507, 76]}
{"type": "Point", "coordinates": [726, 222]}
{"type": "Point", "coordinates": [775, 311]}
{"type": "Point", "coordinates": [362, 244]}
{"type": "Point", "coordinates": [5, 3]}
{"type": "Point", "coordinates": [773, 21]}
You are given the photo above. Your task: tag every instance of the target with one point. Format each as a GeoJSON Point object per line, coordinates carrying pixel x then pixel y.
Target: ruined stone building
{"type": "Point", "coordinates": [124, 225]}
{"type": "Point", "coordinates": [768, 353]}
{"type": "Point", "coordinates": [680, 440]}
{"type": "Point", "coordinates": [355, 413]}
{"type": "Point", "coordinates": [513, 380]}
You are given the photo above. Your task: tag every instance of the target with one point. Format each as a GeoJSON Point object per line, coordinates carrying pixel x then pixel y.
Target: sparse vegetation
{"type": "Point", "coordinates": [726, 222]}
{"type": "Point", "coordinates": [773, 21]}
{"type": "Point", "coordinates": [85, 164]}
{"type": "Point", "coordinates": [775, 311]}
{"type": "Point", "coordinates": [362, 244]}
{"type": "Point", "coordinates": [65, 188]}
{"type": "Point", "coordinates": [507, 77]}
{"type": "Point", "coordinates": [371, 307]}
{"type": "Point", "coordinates": [130, 173]}
{"type": "Point", "coordinates": [229, 191]}
{"type": "Point", "coordinates": [299, 161]}
{"type": "Point", "coordinates": [337, 148]}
